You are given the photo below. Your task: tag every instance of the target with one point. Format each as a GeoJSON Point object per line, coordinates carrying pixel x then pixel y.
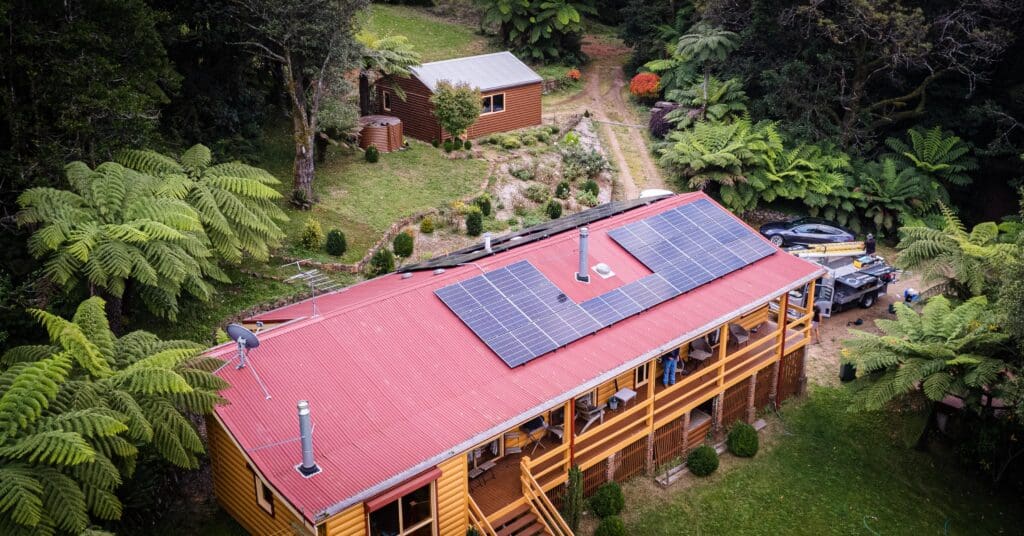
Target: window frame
{"type": "Point", "coordinates": [402, 529]}
{"type": "Point", "coordinates": [490, 98]}
{"type": "Point", "coordinates": [260, 489]}
{"type": "Point", "coordinates": [385, 100]}
{"type": "Point", "coordinates": [646, 368]}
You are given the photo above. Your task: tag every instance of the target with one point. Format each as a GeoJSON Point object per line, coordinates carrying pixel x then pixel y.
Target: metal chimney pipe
{"type": "Point", "coordinates": [487, 243]}
{"type": "Point", "coordinates": [582, 274]}
{"type": "Point", "coordinates": [308, 466]}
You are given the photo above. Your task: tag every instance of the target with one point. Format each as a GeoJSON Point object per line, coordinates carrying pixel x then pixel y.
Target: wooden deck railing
{"type": "Point", "coordinates": [540, 504]}
{"type": "Point", "coordinates": [478, 520]}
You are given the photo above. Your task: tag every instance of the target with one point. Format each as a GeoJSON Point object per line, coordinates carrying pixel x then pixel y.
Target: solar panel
{"type": "Point", "coordinates": [520, 314]}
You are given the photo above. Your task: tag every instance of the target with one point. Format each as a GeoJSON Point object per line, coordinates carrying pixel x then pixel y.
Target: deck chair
{"type": "Point", "coordinates": [739, 334]}
{"type": "Point", "coordinates": [700, 349]}
{"type": "Point", "coordinates": [531, 427]}
{"type": "Point", "coordinates": [589, 413]}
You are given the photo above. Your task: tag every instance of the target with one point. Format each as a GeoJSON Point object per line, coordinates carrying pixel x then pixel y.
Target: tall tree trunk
{"type": "Point", "coordinates": [364, 93]}
{"type": "Point", "coordinates": [704, 108]}
{"type": "Point", "coordinates": [304, 168]}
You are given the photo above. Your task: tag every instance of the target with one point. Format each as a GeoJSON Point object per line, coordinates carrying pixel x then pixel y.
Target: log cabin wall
{"type": "Point", "coordinates": [349, 522]}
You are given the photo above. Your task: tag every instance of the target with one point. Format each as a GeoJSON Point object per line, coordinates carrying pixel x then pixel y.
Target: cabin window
{"type": "Point", "coordinates": [411, 515]}
{"type": "Point", "coordinates": [264, 495]}
{"type": "Point", "coordinates": [494, 103]}
{"type": "Point", "coordinates": [642, 374]}
{"type": "Point", "coordinates": [386, 100]}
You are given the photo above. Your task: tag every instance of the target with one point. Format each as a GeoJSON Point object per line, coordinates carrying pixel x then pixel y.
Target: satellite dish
{"type": "Point", "coordinates": [246, 340]}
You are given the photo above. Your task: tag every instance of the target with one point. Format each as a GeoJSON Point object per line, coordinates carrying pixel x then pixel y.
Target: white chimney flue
{"type": "Point", "coordinates": [582, 274]}
{"type": "Point", "coordinates": [308, 466]}
{"type": "Point", "coordinates": [487, 243]}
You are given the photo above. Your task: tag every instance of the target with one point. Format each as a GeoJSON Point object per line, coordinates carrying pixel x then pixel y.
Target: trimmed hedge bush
{"type": "Point", "coordinates": [427, 225]}
{"type": "Point", "coordinates": [611, 526]}
{"type": "Point", "coordinates": [467, 145]}
{"type": "Point", "coordinates": [591, 186]}
{"type": "Point", "coordinates": [336, 243]}
{"type": "Point", "coordinates": [312, 237]}
{"type": "Point", "coordinates": [435, 143]}
{"type": "Point", "coordinates": [608, 501]}
{"type": "Point", "coordinates": [484, 203]}
{"type": "Point", "coordinates": [402, 244]}
{"type": "Point", "coordinates": [457, 143]}
{"type": "Point", "coordinates": [553, 209]}
{"type": "Point", "coordinates": [743, 441]}
{"type": "Point", "coordinates": [382, 262]}
{"type": "Point", "coordinates": [474, 223]}
{"type": "Point", "coordinates": [511, 142]}
{"type": "Point", "coordinates": [448, 146]}
{"type": "Point", "coordinates": [372, 155]}
{"type": "Point", "coordinates": [702, 461]}
{"type": "Point", "coordinates": [562, 190]}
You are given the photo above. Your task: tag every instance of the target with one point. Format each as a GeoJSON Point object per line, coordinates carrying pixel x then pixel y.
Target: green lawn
{"type": "Point", "coordinates": [363, 199]}
{"type": "Point", "coordinates": [832, 472]}
{"type": "Point", "coordinates": [434, 38]}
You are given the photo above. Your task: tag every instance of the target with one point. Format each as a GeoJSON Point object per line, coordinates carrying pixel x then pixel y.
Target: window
{"type": "Point", "coordinates": [411, 515]}
{"type": "Point", "coordinates": [386, 100]}
{"type": "Point", "coordinates": [264, 495]}
{"type": "Point", "coordinates": [642, 374]}
{"type": "Point", "coordinates": [494, 103]}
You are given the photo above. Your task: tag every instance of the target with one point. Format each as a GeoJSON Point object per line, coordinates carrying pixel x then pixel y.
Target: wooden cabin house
{"type": "Point", "coordinates": [511, 95]}
{"type": "Point", "coordinates": [459, 392]}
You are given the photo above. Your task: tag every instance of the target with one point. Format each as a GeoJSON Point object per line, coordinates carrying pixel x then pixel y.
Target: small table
{"type": "Point", "coordinates": [625, 395]}
{"type": "Point", "coordinates": [481, 471]}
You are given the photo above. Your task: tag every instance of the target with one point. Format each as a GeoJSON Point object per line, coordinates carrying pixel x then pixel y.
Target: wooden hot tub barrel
{"type": "Point", "coordinates": [382, 131]}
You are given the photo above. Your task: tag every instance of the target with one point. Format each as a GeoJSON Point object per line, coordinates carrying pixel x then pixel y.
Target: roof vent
{"type": "Point", "coordinates": [487, 243]}
{"type": "Point", "coordinates": [438, 271]}
{"type": "Point", "coordinates": [407, 275]}
{"type": "Point", "coordinates": [308, 467]}
{"type": "Point", "coordinates": [581, 274]}
{"type": "Point", "coordinates": [603, 270]}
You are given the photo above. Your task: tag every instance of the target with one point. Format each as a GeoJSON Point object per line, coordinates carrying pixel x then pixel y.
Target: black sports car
{"type": "Point", "coordinates": [806, 231]}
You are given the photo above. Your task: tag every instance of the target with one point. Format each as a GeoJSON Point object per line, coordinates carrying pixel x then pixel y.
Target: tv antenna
{"type": "Point", "coordinates": [319, 282]}
{"type": "Point", "coordinates": [246, 341]}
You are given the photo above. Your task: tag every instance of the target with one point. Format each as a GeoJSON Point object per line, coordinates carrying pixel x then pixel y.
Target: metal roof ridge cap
{"type": "Point", "coordinates": [463, 58]}
{"type": "Point", "coordinates": [582, 388]}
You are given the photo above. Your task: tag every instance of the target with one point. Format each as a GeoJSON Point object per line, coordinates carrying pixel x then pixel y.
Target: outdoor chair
{"type": "Point", "coordinates": [531, 427]}
{"type": "Point", "coordinates": [739, 334]}
{"type": "Point", "coordinates": [589, 413]}
{"type": "Point", "coordinates": [700, 349]}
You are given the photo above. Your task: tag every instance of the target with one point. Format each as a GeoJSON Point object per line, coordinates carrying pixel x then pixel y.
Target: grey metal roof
{"type": "Point", "coordinates": [484, 72]}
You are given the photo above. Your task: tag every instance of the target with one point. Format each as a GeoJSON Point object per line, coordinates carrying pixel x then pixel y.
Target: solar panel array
{"type": "Point", "coordinates": [520, 314]}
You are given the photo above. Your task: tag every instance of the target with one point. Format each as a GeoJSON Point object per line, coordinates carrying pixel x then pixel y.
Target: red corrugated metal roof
{"type": "Point", "coordinates": [396, 382]}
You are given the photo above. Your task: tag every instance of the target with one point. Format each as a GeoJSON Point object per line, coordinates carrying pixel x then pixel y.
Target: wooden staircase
{"type": "Point", "coordinates": [520, 522]}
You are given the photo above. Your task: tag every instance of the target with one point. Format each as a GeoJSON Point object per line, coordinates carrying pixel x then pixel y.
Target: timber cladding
{"type": "Point", "coordinates": [522, 109]}
{"type": "Point", "coordinates": [236, 491]}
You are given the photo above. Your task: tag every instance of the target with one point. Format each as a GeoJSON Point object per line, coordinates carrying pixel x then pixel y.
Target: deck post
{"type": "Point", "coordinates": [773, 384]}
{"type": "Point", "coordinates": [649, 459]}
{"type": "Point", "coordinates": [751, 394]}
{"type": "Point", "coordinates": [783, 324]}
{"type": "Point", "coordinates": [716, 414]}
{"type": "Point", "coordinates": [610, 469]}
{"type": "Point", "coordinates": [686, 432]}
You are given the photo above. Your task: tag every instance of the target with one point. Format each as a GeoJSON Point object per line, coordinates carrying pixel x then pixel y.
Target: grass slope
{"type": "Point", "coordinates": [834, 472]}
{"type": "Point", "coordinates": [364, 199]}
{"type": "Point", "coordinates": [434, 38]}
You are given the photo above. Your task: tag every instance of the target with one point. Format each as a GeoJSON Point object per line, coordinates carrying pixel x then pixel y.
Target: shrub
{"type": "Point", "coordinates": [658, 125]}
{"type": "Point", "coordinates": [573, 74]}
{"type": "Point", "coordinates": [702, 461]}
{"type": "Point", "coordinates": [312, 237]}
{"type": "Point", "coordinates": [572, 502]}
{"type": "Point", "coordinates": [645, 86]}
{"type": "Point", "coordinates": [591, 186]}
{"type": "Point", "coordinates": [529, 139]}
{"type": "Point", "coordinates": [587, 199]}
{"type": "Point", "coordinates": [474, 223]}
{"type": "Point", "coordinates": [456, 106]}
{"type": "Point", "coordinates": [588, 161]}
{"type": "Point", "coordinates": [552, 129]}
{"type": "Point", "coordinates": [611, 526]}
{"type": "Point", "coordinates": [372, 155]}
{"type": "Point", "coordinates": [300, 199]}
{"type": "Point", "coordinates": [336, 243]}
{"type": "Point", "coordinates": [608, 501]}
{"type": "Point", "coordinates": [543, 136]}
{"type": "Point", "coordinates": [562, 190]}
{"type": "Point", "coordinates": [457, 143]}
{"type": "Point", "coordinates": [553, 209]}
{"type": "Point", "coordinates": [522, 173]}
{"type": "Point", "coordinates": [571, 139]}
{"type": "Point", "coordinates": [742, 440]}
{"type": "Point", "coordinates": [510, 142]}
{"type": "Point", "coordinates": [403, 244]}
{"type": "Point", "coordinates": [538, 193]}
{"type": "Point", "coordinates": [586, 113]}
{"type": "Point", "coordinates": [467, 145]}
{"type": "Point", "coordinates": [427, 225]}
{"type": "Point", "coordinates": [435, 143]}
{"type": "Point", "coordinates": [484, 204]}
{"type": "Point", "coordinates": [382, 262]}
{"type": "Point", "coordinates": [448, 146]}
{"type": "Point", "coordinates": [531, 219]}
{"type": "Point", "coordinates": [471, 531]}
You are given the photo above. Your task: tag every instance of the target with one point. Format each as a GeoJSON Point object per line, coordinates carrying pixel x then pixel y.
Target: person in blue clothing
{"type": "Point", "coordinates": [669, 362]}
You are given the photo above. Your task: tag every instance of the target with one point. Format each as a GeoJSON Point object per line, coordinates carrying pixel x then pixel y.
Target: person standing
{"type": "Point", "coordinates": [869, 245]}
{"type": "Point", "coordinates": [669, 362]}
{"type": "Point", "coordinates": [815, 320]}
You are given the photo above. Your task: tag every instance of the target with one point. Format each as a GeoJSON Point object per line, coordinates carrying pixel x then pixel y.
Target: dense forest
{"type": "Point", "coordinates": [131, 182]}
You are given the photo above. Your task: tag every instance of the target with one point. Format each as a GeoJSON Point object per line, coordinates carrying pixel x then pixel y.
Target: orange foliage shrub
{"type": "Point", "coordinates": [645, 85]}
{"type": "Point", "coordinates": [573, 74]}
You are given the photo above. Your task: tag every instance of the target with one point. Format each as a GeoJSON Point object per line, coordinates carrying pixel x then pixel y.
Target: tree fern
{"type": "Point", "coordinates": [235, 202]}
{"type": "Point", "coordinates": [726, 101]}
{"type": "Point", "coordinates": [944, 158]}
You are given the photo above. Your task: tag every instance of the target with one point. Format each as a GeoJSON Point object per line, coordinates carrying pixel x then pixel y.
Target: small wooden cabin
{"type": "Point", "coordinates": [421, 428]}
{"type": "Point", "coordinates": [511, 95]}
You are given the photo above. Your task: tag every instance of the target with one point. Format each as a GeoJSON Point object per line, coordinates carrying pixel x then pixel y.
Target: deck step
{"type": "Point", "coordinates": [511, 516]}
{"type": "Point", "coordinates": [516, 527]}
{"type": "Point", "coordinates": [536, 529]}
